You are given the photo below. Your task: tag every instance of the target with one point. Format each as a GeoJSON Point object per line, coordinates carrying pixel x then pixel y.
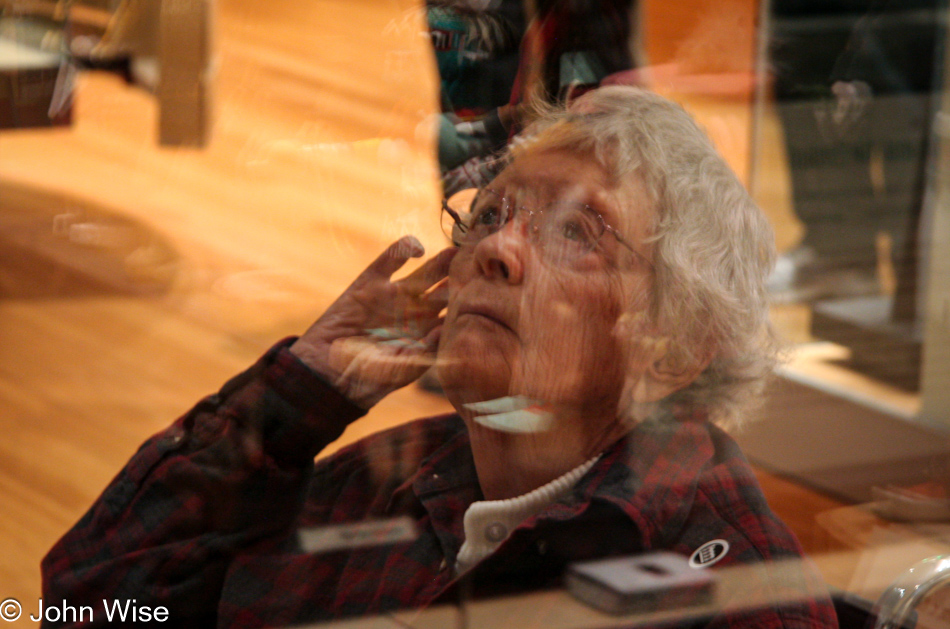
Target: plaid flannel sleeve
{"type": "Point", "coordinates": [231, 472]}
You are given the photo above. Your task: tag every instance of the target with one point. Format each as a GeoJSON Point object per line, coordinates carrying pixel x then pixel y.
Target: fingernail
{"type": "Point", "coordinates": [413, 247]}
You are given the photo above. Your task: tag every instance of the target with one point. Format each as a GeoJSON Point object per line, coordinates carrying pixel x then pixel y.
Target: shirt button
{"type": "Point", "coordinates": [174, 440]}
{"type": "Point", "coordinates": [496, 532]}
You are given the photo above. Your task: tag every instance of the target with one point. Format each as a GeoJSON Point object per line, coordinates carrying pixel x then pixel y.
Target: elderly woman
{"type": "Point", "coordinates": [604, 306]}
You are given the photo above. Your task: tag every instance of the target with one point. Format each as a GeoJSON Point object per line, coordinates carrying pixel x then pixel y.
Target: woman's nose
{"type": "Point", "coordinates": [502, 254]}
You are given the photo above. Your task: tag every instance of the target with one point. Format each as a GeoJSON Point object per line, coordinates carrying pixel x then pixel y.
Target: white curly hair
{"type": "Point", "coordinates": [714, 248]}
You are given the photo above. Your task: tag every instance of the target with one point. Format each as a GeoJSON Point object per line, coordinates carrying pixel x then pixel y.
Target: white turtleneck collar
{"type": "Point", "coordinates": [488, 523]}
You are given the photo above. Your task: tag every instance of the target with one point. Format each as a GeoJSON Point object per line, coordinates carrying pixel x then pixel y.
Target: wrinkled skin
{"type": "Point", "coordinates": [574, 337]}
{"type": "Point", "coordinates": [519, 325]}
{"type": "Point", "coordinates": [344, 344]}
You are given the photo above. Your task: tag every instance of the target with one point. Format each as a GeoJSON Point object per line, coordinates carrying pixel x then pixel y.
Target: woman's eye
{"type": "Point", "coordinates": [486, 217]}
{"type": "Point", "coordinates": [574, 231]}
{"type": "Point", "coordinates": [578, 228]}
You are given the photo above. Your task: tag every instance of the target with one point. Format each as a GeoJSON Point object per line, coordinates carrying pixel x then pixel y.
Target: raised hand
{"type": "Point", "coordinates": [380, 334]}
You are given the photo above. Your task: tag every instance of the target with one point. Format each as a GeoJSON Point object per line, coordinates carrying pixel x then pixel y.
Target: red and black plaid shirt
{"type": "Point", "coordinates": [204, 519]}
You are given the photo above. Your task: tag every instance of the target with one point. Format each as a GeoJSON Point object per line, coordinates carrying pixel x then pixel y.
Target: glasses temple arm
{"type": "Point", "coordinates": [455, 216]}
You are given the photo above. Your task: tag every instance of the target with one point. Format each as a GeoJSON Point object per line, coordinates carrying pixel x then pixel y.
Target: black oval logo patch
{"type": "Point", "coordinates": [709, 553]}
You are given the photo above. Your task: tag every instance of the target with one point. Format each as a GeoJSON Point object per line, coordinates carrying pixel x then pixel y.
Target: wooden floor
{"type": "Point", "coordinates": [187, 264]}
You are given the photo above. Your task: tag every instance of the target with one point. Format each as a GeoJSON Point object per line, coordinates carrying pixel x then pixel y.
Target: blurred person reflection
{"type": "Point", "coordinates": [605, 309]}
{"type": "Point", "coordinates": [476, 50]}
{"type": "Point", "coordinates": [854, 84]}
{"type": "Point", "coordinates": [568, 48]}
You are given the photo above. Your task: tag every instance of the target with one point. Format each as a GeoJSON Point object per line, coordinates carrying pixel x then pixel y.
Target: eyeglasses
{"type": "Point", "coordinates": [564, 231]}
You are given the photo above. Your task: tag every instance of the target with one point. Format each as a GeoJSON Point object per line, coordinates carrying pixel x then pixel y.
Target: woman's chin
{"type": "Point", "coordinates": [468, 382]}
{"type": "Point", "coordinates": [470, 373]}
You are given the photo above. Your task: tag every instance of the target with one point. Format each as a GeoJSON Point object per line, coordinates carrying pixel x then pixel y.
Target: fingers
{"type": "Point", "coordinates": [438, 298]}
{"type": "Point", "coordinates": [395, 256]}
{"type": "Point", "coordinates": [417, 314]}
{"type": "Point", "coordinates": [434, 270]}
{"type": "Point", "coordinates": [431, 340]}
{"type": "Point", "coordinates": [427, 306]}
{"type": "Point", "coordinates": [416, 309]}
{"type": "Point", "coordinates": [366, 364]}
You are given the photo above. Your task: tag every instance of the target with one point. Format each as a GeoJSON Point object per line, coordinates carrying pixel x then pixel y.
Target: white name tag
{"type": "Point", "coordinates": [324, 539]}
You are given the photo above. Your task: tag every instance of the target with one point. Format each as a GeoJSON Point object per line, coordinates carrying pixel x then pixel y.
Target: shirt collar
{"type": "Point", "coordinates": [650, 475]}
{"type": "Point", "coordinates": [653, 473]}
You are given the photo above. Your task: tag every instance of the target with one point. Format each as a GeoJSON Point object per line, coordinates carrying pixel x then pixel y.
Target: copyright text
{"type": "Point", "coordinates": [115, 610]}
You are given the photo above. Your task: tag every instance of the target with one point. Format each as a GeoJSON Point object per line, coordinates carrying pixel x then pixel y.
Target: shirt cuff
{"type": "Point", "coordinates": [298, 412]}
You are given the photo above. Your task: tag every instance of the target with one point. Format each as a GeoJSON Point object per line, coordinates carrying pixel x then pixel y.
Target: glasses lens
{"type": "Point", "coordinates": [567, 231]}
{"type": "Point", "coordinates": [489, 213]}
{"type": "Point", "coordinates": [563, 231]}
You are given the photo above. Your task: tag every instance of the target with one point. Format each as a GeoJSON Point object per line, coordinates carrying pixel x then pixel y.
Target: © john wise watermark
{"type": "Point", "coordinates": [116, 610]}
{"type": "Point", "coordinates": [10, 609]}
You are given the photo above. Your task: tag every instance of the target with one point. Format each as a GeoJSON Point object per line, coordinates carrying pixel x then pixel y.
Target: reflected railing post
{"type": "Point", "coordinates": [186, 66]}
{"type": "Point", "coordinates": [896, 604]}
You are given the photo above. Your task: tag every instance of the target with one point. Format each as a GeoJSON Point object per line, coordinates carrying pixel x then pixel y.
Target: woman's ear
{"type": "Point", "coordinates": [658, 365]}
{"type": "Point", "coordinates": [675, 368]}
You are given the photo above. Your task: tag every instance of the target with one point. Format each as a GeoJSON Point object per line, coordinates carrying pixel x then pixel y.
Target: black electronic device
{"type": "Point", "coordinates": [641, 583]}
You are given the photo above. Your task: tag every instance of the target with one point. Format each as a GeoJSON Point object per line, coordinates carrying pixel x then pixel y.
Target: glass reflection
{"type": "Point", "coordinates": [588, 385]}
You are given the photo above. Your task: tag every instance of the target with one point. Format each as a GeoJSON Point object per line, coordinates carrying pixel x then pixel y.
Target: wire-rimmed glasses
{"type": "Point", "coordinates": [564, 230]}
